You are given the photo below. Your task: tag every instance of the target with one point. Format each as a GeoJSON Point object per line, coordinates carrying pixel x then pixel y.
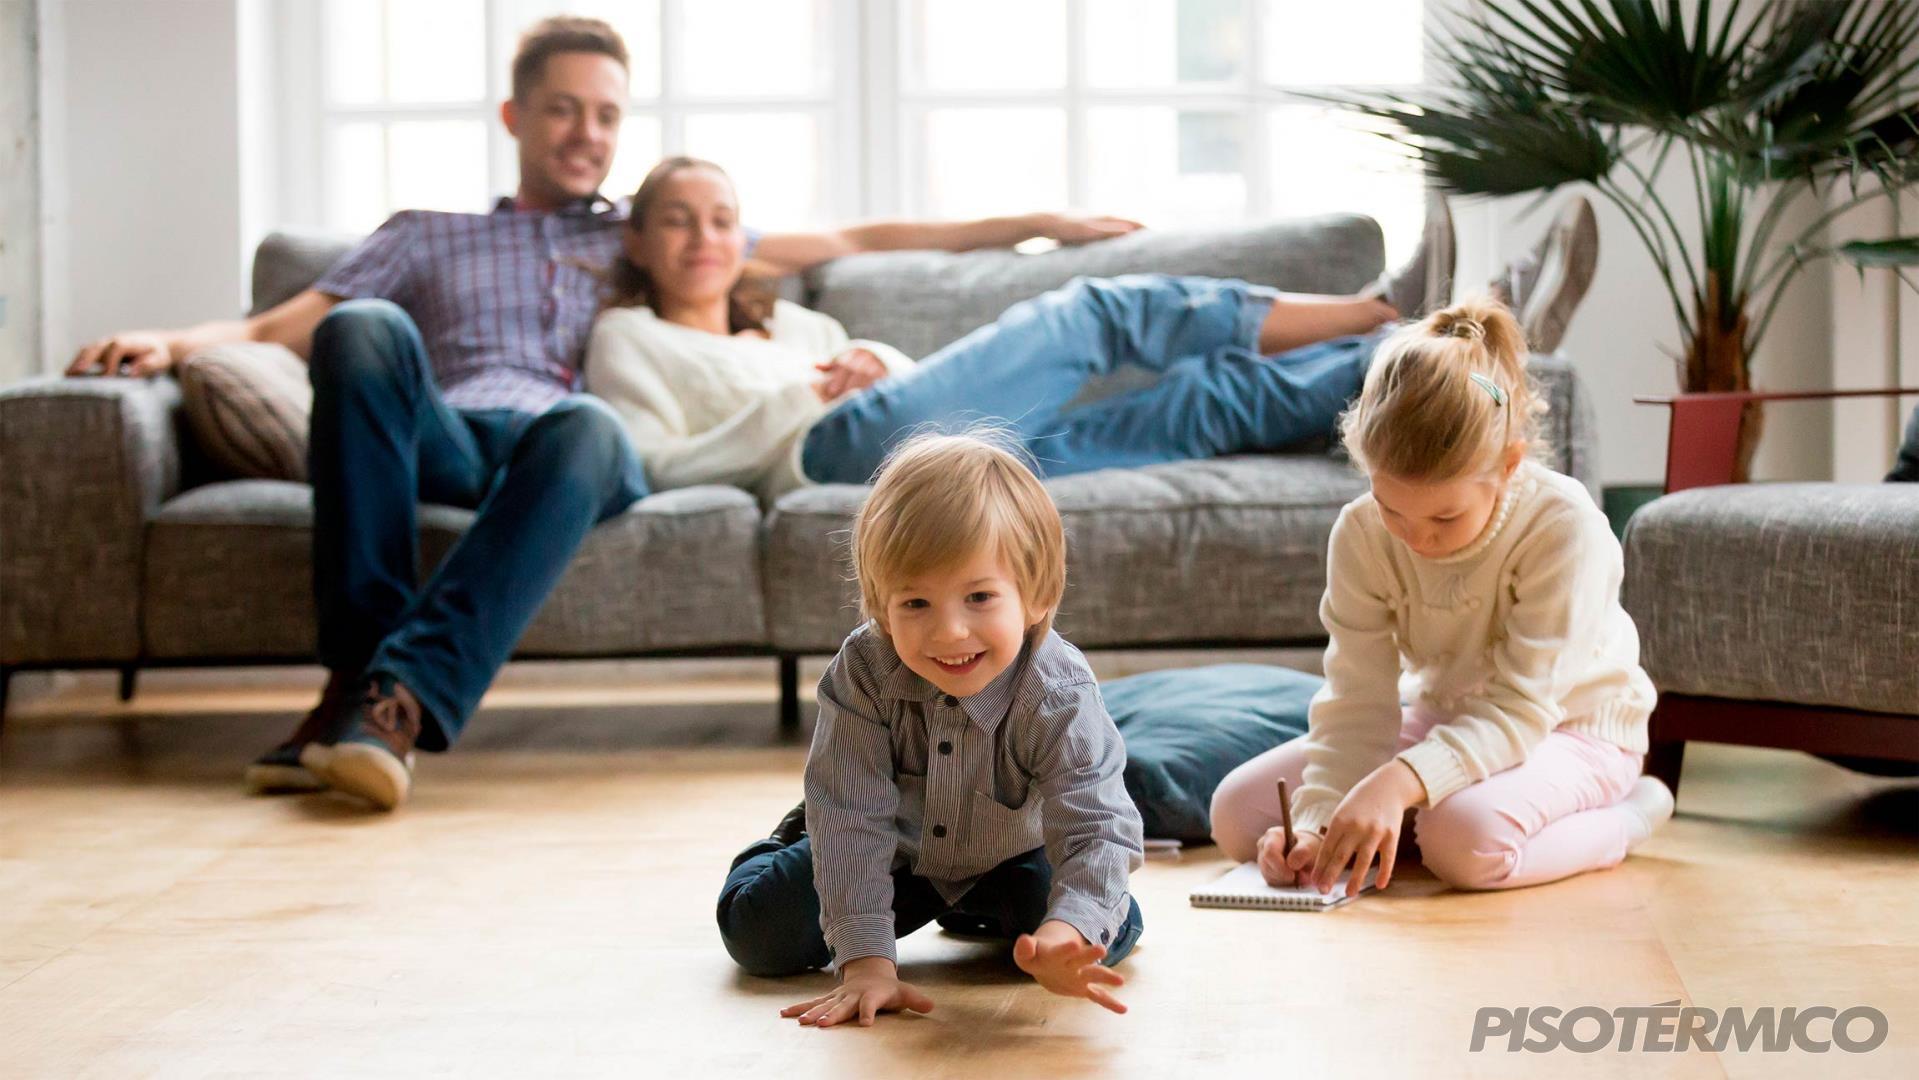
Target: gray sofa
{"type": "Point", "coordinates": [117, 550]}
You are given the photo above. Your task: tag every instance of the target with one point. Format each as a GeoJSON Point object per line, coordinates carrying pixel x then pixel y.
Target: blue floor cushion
{"type": "Point", "coordinates": [1186, 728]}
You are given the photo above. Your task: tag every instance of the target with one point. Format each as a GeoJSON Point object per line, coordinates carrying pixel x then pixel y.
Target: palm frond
{"type": "Point", "coordinates": [1471, 145]}
{"type": "Point", "coordinates": [1893, 251]}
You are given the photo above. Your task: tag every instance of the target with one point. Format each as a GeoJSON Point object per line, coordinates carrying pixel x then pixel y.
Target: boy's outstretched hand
{"type": "Point", "coordinates": [868, 986]}
{"type": "Point", "coordinates": [1062, 961]}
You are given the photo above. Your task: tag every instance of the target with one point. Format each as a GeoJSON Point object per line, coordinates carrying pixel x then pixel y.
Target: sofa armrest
{"type": "Point", "coordinates": [87, 462]}
{"type": "Point", "coordinates": [1568, 426]}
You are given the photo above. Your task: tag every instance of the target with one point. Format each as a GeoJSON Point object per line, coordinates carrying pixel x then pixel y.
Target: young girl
{"type": "Point", "coordinates": [1483, 589]}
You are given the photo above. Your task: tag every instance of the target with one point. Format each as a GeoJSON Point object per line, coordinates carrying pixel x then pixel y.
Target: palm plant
{"type": "Point", "coordinates": [1764, 105]}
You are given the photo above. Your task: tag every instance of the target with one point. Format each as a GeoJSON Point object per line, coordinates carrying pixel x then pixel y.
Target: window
{"type": "Point", "coordinates": [1180, 112]}
{"type": "Point", "coordinates": [408, 94]}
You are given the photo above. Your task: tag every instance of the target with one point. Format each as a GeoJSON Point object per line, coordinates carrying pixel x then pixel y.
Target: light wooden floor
{"type": "Point", "coordinates": [544, 907]}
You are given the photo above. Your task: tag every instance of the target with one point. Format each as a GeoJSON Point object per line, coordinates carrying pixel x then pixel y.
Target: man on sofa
{"type": "Point", "coordinates": [444, 353]}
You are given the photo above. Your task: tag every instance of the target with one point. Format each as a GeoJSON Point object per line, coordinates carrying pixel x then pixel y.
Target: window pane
{"type": "Point", "coordinates": [639, 151]}
{"type": "Point", "coordinates": [1171, 167]}
{"type": "Point", "coordinates": [737, 48]}
{"type": "Point", "coordinates": [412, 51]}
{"type": "Point", "coordinates": [356, 177]}
{"type": "Point", "coordinates": [1325, 161]}
{"type": "Point", "coordinates": [1313, 43]}
{"type": "Point", "coordinates": [638, 22]}
{"type": "Point", "coordinates": [991, 44]}
{"type": "Point", "coordinates": [355, 57]}
{"type": "Point", "coordinates": [437, 165]}
{"type": "Point", "coordinates": [1163, 42]}
{"type": "Point", "coordinates": [773, 158]}
{"type": "Point", "coordinates": [435, 50]}
{"type": "Point", "coordinates": [994, 161]}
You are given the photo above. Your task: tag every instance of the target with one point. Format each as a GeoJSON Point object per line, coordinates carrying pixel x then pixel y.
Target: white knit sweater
{"type": "Point", "coordinates": [705, 408]}
{"type": "Point", "coordinates": [1516, 635]}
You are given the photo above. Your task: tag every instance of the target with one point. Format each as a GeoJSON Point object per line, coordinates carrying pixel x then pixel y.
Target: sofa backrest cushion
{"type": "Point", "coordinates": [291, 260]}
{"type": "Point", "coordinates": [921, 300]}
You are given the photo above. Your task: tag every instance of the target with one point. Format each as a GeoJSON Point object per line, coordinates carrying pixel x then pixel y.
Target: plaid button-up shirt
{"type": "Point", "coordinates": [504, 301]}
{"type": "Point", "coordinates": [903, 775]}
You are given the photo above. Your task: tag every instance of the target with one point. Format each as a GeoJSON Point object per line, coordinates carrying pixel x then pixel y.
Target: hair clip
{"type": "Point", "coordinates": [1491, 387]}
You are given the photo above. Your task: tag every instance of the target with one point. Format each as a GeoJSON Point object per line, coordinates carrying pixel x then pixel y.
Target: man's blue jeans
{"type": "Point", "coordinates": [769, 912]}
{"type": "Point", "coordinates": [383, 441]}
{"type": "Point", "coordinates": [1215, 394]}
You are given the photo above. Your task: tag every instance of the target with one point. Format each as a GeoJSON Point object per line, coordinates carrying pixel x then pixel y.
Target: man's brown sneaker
{"type": "Point", "coordinates": [279, 771]}
{"type": "Point", "coordinates": [373, 757]}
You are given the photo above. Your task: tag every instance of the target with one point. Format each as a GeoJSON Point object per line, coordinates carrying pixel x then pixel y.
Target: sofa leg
{"type": "Point", "coordinates": [789, 695]}
{"type": "Point", "coordinates": [129, 680]}
{"type": "Point", "coordinates": [1664, 762]}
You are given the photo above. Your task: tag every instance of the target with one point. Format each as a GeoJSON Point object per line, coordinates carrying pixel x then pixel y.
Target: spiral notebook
{"type": "Point", "coordinates": [1244, 887]}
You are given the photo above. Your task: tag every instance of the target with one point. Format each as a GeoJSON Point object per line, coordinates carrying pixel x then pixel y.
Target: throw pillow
{"type": "Point", "coordinates": [1185, 729]}
{"type": "Point", "coordinates": [247, 406]}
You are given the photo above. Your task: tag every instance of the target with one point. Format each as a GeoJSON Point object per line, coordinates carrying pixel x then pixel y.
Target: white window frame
{"type": "Point", "coordinates": [1249, 96]}
{"type": "Point", "coordinates": [871, 118]}
{"type": "Point", "coordinates": [837, 109]}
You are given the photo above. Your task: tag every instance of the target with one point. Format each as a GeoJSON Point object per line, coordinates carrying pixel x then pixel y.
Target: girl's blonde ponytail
{"type": "Point", "coordinates": [1445, 396]}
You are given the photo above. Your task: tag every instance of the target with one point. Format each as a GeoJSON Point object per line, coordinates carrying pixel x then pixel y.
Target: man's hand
{"type": "Point", "coordinates": [1062, 961]}
{"type": "Point", "coordinates": [1084, 228]}
{"type": "Point", "coordinates": [1276, 864]}
{"type": "Point", "coordinates": [854, 369]}
{"type": "Point", "coordinates": [135, 352]}
{"type": "Point", "coordinates": [868, 986]}
{"type": "Point", "coordinates": [1365, 825]}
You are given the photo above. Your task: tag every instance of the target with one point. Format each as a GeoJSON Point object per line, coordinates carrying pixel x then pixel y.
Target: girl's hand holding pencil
{"type": "Point", "coordinates": [1365, 825]}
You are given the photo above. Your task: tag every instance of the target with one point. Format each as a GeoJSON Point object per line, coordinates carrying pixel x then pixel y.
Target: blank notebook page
{"type": "Point", "coordinates": [1244, 887]}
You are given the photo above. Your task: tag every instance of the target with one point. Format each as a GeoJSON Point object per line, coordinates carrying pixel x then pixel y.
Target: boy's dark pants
{"type": "Point", "coordinates": [769, 912]}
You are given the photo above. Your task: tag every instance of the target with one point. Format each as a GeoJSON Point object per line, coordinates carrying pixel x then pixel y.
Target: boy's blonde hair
{"type": "Point", "coordinates": [939, 499]}
{"type": "Point", "coordinates": [1445, 396]}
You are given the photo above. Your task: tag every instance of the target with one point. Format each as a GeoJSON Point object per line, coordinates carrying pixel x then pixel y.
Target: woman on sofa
{"type": "Point", "coordinates": [717, 383]}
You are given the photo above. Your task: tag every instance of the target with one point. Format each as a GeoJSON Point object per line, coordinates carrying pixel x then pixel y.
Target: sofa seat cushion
{"type": "Point", "coordinates": [1186, 728]}
{"type": "Point", "coordinates": [1805, 593]}
{"type": "Point", "coordinates": [229, 574]}
{"type": "Point", "coordinates": [1226, 550]}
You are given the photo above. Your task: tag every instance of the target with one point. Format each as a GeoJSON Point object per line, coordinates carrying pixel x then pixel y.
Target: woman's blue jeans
{"type": "Point", "coordinates": [1215, 393]}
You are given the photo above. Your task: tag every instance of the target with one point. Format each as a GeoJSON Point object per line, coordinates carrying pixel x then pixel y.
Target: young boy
{"type": "Point", "coordinates": [963, 768]}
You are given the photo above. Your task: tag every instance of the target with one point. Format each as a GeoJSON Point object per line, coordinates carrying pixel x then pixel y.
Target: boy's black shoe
{"type": "Point", "coordinates": [791, 827]}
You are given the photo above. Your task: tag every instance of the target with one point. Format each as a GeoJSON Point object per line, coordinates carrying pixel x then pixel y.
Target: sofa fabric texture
{"type": "Point", "coordinates": [1803, 593]}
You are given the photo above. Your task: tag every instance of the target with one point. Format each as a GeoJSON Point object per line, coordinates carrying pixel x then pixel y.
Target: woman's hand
{"type": "Point", "coordinates": [1365, 825]}
{"type": "Point", "coordinates": [1058, 958]}
{"type": "Point", "coordinates": [868, 986]}
{"type": "Point", "coordinates": [1276, 864]}
{"type": "Point", "coordinates": [854, 369]}
{"type": "Point", "coordinates": [1071, 229]}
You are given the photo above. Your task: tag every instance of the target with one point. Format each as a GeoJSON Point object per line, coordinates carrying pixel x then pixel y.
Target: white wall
{"type": "Point", "coordinates": [150, 229]}
{"type": "Point", "coordinates": [20, 303]}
